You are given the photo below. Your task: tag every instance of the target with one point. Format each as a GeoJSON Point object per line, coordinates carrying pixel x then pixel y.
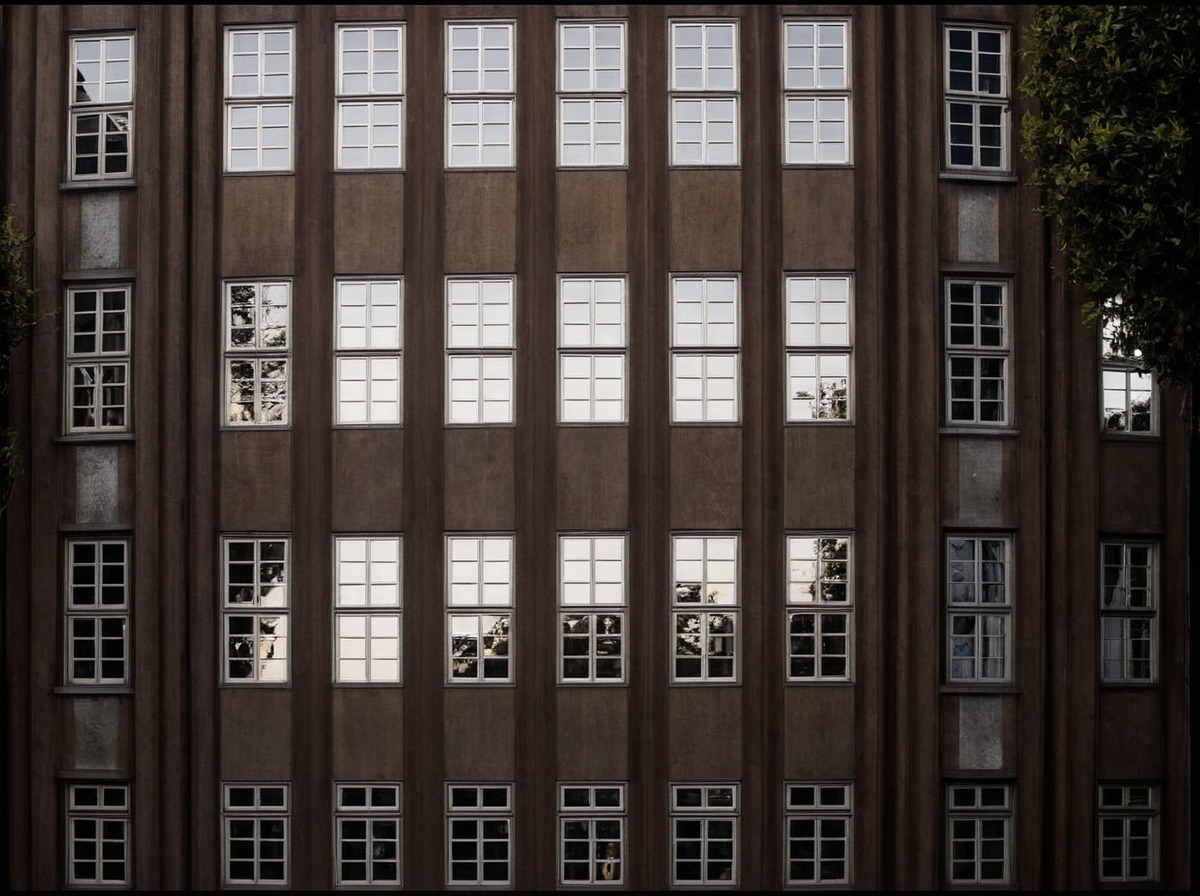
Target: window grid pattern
{"type": "Point", "coordinates": [98, 349]}
{"type": "Point", "coordinates": [479, 834]}
{"type": "Point", "coordinates": [818, 341]}
{"type": "Point", "coordinates": [1128, 585]}
{"type": "Point", "coordinates": [255, 610]}
{"type": "Point", "coordinates": [367, 609]}
{"type": "Point", "coordinates": [367, 819]}
{"type": "Point", "coordinates": [479, 603]}
{"type": "Point", "coordinates": [480, 344]}
{"type": "Point", "coordinates": [705, 349]}
{"type": "Point", "coordinates": [820, 608]}
{"type": "Point", "coordinates": [480, 94]}
{"type": "Point", "coordinates": [98, 841]}
{"type": "Point", "coordinates": [977, 90]}
{"type": "Point", "coordinates": [819, 818]}
{"type": "Point", "coordinates": [1127, 390]}
{"type": "Point", "coordinates": [1128, 833]}
{"type": "Point", "coordinates": [97, 612]}
{"type": "Point", "coordinates": [979, 828]}
{"type": "Point", "coordinates": [704, 93]}
{"type": "Point", "coordinates": [101, 141]}
{"type": "Point", "coordinates": [369, 338]}
{"type": "Point", "coordinates": [816, 83]}
{"type": "Point", "coordinates": [704, 611]}
{"type": "Point", "coordinates": [259, 97]}
{"type": "Point", "coordinates": [591, 820]}
{"type": "Point", "coordinates": [256, 818]}
{"type": "Point", "coordinates": [370, 103]}
{"type": "Point", "coordinates": [704, 822]}
{"type": "Point", "coordinates": [593, 608]}
{"type": "Point", "coordinates": [591, 94]}
{"type": "Point", "coordinates": [592, 345]}
{"type": "Point", "coordinates": [977, 348]}
{"type": "Point", "coordinates": [257, 349]}
{"type": "Point", "coordinates": [979, 614]}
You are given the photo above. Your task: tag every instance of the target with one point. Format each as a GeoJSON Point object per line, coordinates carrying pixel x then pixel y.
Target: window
{"type": "Point", "coordinates": [98, 359]}
{"type": "Point", "coordinates": [816, 84]}
{"type": "Point", "coordinates": [979, 826]}
{"type": "Point", "coordinates": [479, 604]}
{"type": "Point", "coordinates": [976, 352]}
{"type": "Point", "coordinates": [591, 94]}
{"type": "Point", "coordinates": [704, 611]}
{"type": "Point", "coordinates": [976, 99]}
{"type": "Point", "coordinates": [480, 94]}
{"type": "Point", "coordinates": [479, 350]}
{"type": "Point", "coordinates": [818, 833]}
{"type": "Point", "coordinates": [369, 334]}
{"type": "Point", "coordinates": [256, 818]}
{"type": "Point", "coordinates": [979, 614]}
{"type": "Point", "coordinates": [1128, 388]}
{"type": "Point", "coordinates": [255, 610]}
{"type": "Point", "coordinates": [704, 820]}
{"type": "Point", "coordinates": [1128, 833]}
{"type": "Point", "coordinates": [479, 834]}
{"type": "Point", "coordinates": [256, 352]}
{"type": "Point", "coordinates": [705, 358]}
{"type": "Point", "coordinates": [97, 611]}
{"type": "Point", "coordinates": [1128, 582]}
{"type": "Point", "coordinates": [101, 107]}
{"type": "Point", "coordinates": [367, 821]}
{"type": "Point", "coordinates": [98, 835]}
{"type": "Point", "coordinates": [370, 105]}
{"type": "Point", "coordinates": [818, 348]}
{"type": "Point", "coordinates": [591, 820]}
{"type": "Point", "coordinates": [704, 93]}
{"type": "Point", "coordinates": [258, 100]}
{"type": "Point", "coordinates": [367, 605]}
{"type": "Point", "coordinates": [820, 610]}
{"type": "Point", "coordinates": [592, 343]}
{"type": "Point", "coordinates": [593, 607]}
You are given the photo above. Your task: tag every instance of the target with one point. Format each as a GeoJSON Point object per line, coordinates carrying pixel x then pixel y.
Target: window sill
{"type": "Point", "coordinates": [1109, 436]}
{"type": "Point", "coordinates": [844, 424]}
{"type": "Point", "coordinates": [75, 186]}
{"type": "Point", "coordinates": [705, 684]}
{"type": "Point", "coordinates": [338, 685]}
{"type": "Point", "coordinates": [593, 424]}
{"type": "Point", "coordinates": [983, 689]}
{"type": "Point", "coordinates": [989, 431]}
{"type": "Point", "coordinates": [819, 683]}
{"type": "Point", "coordinates": [1131, 685]}
{"type": "Point", "coordinates": [88, 438]}
{"type": "Point", "coordinates": [821, 166]}
{"type": "Point", "coordinates": [978, 177]}
{"type": "Point", "coordinates": [288, 172]}
{"type": "Point", "coordinates": [93, 690]}
{"type": "Point", "coordinates": [475, 683]}
{"type": "Point", "coordinates": [593, 684]}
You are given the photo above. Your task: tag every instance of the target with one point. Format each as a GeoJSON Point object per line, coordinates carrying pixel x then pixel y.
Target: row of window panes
{"type": "Point", "coordinates": [704, 841]}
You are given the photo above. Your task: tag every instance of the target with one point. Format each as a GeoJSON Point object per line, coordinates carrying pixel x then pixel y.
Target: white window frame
{"type": "Point", "coordinates": [1127, 833]}
{"type": "Point", "coordinates": [257, 814]}
{"type": "Point", "coordinates": [814, 80]}
{"type": "Point", "coordinates": [979, 610]}
{"type": "Point", "coordinates": [1128, 611]}
{"type": "Point", "coordinates": [263, 602]}
{"type": "Point", "coordinates": [258, 370]}
{"type": "Point", "coordinates": [1128, 391]}
{"type": "Point", "coordinates": [710, 101]}
{"type": "Point", "coordinates": [480, 351]}
{"type": "Point", "coordinates": [368, 99]}
{"type": "Point", "coordinates": [483, 815]}
{"type": "Point", "coordinates": [973, 91]}
{"type": "Point", "coordinates": [97, 380]}
{"type": "Point", "coordinates": [706, 355]}
{"type": "Point", "coordinates": [368, 609]}
{"type": "Point", "coordinates": [481, 96]}
{"type": "Point", "coordinates": [603, 91]}
{"type": "Point", "coordinates": [978, 814]}
{"type": "Point", "coordinates": [705, 634]}
{"type": "Point", "coordinates": [818, 833]}
{"type": "Point", "coordinates": [369, 352]}
{"type": "Point", "coordinates": [979, 344]}
{"type": "Point", "coordinates": [259, 102]}
{"type": "Point", "coordinates": [593, 607]}
{"type": "Point", "coordinates": [97, 597]}
{"type": "Point", "coordinates": [109, 112]}
{"type": "Point", "coordinates": [98, 834]}
{"type": "Point", "coordinates": [480, 608]}
{"type": "Point", "coordinates": [716, 808]}
{"type": "Point", "coordinates": [591, 834]}
{"type": "Point", "coordinates": [375, 805]}
{"type": "Point", "coordinates": [819, 344]}
{"type": "Point", "coordinates": [820, 606]}
{"type": "Point", "coordinates": [593, 346]}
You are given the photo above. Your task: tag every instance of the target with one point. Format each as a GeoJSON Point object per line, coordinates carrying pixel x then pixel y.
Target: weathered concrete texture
{"type": "Point", "coordinates": [978, 224]}
{"type": "Point", "coordinates": [97, 483]}
{"type": "Point", "coordinates": [100, 231]}
{"type": "Point", "coordinates": [980, 482]}
{"type": "Point", "coordinates": [979, 733]}
{"type": "Point", "coordinates": [96, 729]}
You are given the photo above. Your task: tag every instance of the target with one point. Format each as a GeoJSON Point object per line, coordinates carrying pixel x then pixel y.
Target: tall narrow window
{"type": "Point", "coordinates": [591, 819]}
{"type": "Point", "coordinates": [98, 344]}
{"type": "Point", "coordinates": [479, 834]}
{"type": "Point", "coordinates": [98, 841]}
{"type": "Point", "coordinates": [480, 346]}
{"type": "Point", "coordinates": [704, 824]}
{"type": "Point", "coordinates": [979, 609]}
{"type": "Point", "coordinates": [369, 334]}
{"type": "Point", "coordinates": [256, 819]}
{"type": "Point", "coordinates": [370, 105]}
{"type": "Point", "coordinates": [479, 608]}
{"type": "Point", "coordinates": [977, 347]}
{"type": "Point", "coordinates": [704, 610]}
{"type": "Point", "coordinates": [819, 848]}
{"type": "Point", "coordinates": [97, 631]}
{"type": "Point", "coordinates": [979, 831]}
{"type": "Point", "coordinates": [704, 93]}
{"type": "Point", "coordinates": [820, 617]}
{"type": "Point", "coordinates": [705, 349]}
{"type": "Point", "coordinates": [101, 79]}
{"type": "Point", "coordinates": [818, 348]}
{"type": "Point", "coordinates": [1128, 585]}
{"type": "Point", "coordinates": [480, 94]}
{"type": "Point", "coordinates": [592, 345]}
{"type": "Point", "coordinates": [255, 610]}
{"type": "Point", "coordinates": [367, 825]}
{"type": "Point", "coordinates": [1128, 391]}
{"type": "Point", "coordinates": [977, 88]}
{"type": "Point", "coordinates": [257, 348]}
{"type": "Point", "coordinates": [591, 94]}
{"type": "Point", "coordinates": [259, 94]}
{"type": "Point", "coordinates": [367, 603]}
{"type": "Point", "coordinates": [592, 608]}
{"type": "Point", "coordinates": [1128, 833]}
{"type": "Point", "coordinates": [816, 83]}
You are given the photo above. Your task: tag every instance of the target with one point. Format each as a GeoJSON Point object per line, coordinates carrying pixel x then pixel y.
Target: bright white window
{"type": "Point", "coordinates": [1128, 833]}
{"type": "Point", "coordinates": [819, 847]}
{"type": "Point", "coordinates": [591, 819]}
{"type": "Point", "coordinates": [592, 346]}
{"type": "Point", "coordinates": [704, 93]}
{"type": "Point", "coordinates": [480, 344]}
{"type": "Point", "coordinates": [591, 94]}
{"type": "Point", "coordinates": [977, 89]}
{"type": "Point", "coordinates": [977, 347]}
{"type": "Point", "coordinates": [97, 635]}
{"type": "Point", "coordinates": [367, 609]}
{"type": "Point", "coordinates": [370, 105]}
{"type": "Point", "coordinates": [98, 835]}
{"type": "Point", "coordinates": [257, 349]}
{"type": "Point", "coordinates": [704, 824]}
{"type": "Point", "coordinates": [705, 349]}
{"type": "Point", "coordinates": [816, 84]}
{"type": "Point", "coordinates": [479, 834]}
{"type": "Point", "coordinates": [101, 79]}
{"type": "Point", "coordinates": [255, 610]}
{"type": "Point", "coordinates": [480, 94]}
{"type": "Point", "coordinates": [820, 609]}
{"type": "Point", "coordinates": [979, 608]}
{"type": "Point", "coordinates": [1128, 604]}
{"type": "Point", "coordinates": [593, 608]}
{"type": "Point", "coordinates": [98, 349]}
{"type": "Point", "coordinates": [368, 337]}
{"type": "Point", "coordinates": [1128, 394]}
{"type": "Point", "coordinates": [256, 820]}
{"type": "Point", "coordinates": [819, 341]}
{"type": "Point", "coordinates": [367, 822]}
{"type": "Point", "coordinates": [979, 829]}
{"type": "Point", "coordinates": [704, 610]}
{"type": "Point", "coordinates": [479, 608]}
{"type": "Point", "coordinates": [259, 96]}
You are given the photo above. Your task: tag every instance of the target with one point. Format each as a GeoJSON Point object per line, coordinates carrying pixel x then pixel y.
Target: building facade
{"type": "Point", "coordinates": [544, 446]}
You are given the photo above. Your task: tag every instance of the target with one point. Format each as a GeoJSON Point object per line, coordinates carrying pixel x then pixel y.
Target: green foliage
{"type": "Point", "coordinates": [1113, 149]}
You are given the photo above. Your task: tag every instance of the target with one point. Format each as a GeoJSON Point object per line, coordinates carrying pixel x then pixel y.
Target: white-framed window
{"type": "Point", "coordinates": [704, 825]}
{"type": "Point", "coordinates": [820, 608]}
{"type": "Point", "coordinates": [256, 819]}
{"type": "Point", "coordinates": [705, 349]}
{"type": "Point", "coordinates": [705, 607]}
{"type": "Point", "coordinates": [259, 96]}
{"type": "Point", "coordinates": [979, 819]}
{"type": "Point", "coordinates": [257, 352]}
{"type": "Point", "coordinates": [369, 337]}
{"type": "Point", "coordinates": [977, 93]}
{"type": "Point", "coordinates": [979, 608]}
{"type": "Point", "coordinates": [977, 349]}
{"type": "Point", "coordinates": [704, 92]}
{"type": "Point", "coordinates": [1128, 394]}
{"type": "Point", "coordinates": [98, 834]}
{"type": "Point", "coordinates": [591, 823]}
{"type": "Point", "coordinates": [593, 608]}
{"type": "Point", "coordinates": [367, 846]}
{"type": "Point", "coordinates": [98, 350]}
{"type": "Point", "coordinates": [816, 92]}
{"type": "Point", "coordinates": [591, 93]}
{"type": "Point", "coordinates": [480, 94]}
{"type": "Point", "coordinates": [480, 350]}
{"type": "Point", "coordinates": [479, 820]}
{"type": "Point", "coordinates": [819, 824]}
{"type": "Point", "coordinates": [1128, 833]}
{"type": "Point", "coordinates": [368, 601]}
{"type": "Point", "coordinates": [255, 609]}
{"type": "Point", "coordinates": [101, 104]}
{"type": "Point", "coordinates": [97, 610]}
{"type": "Point", "coordinates": [1128, 609]}
{"type": "Point", "coordinates": [819, 341]}
{"type": "Point", "coordinates": [592, 349]}
{"type": "Point", "coordinates": [479, 608]}
{"type": "Point", "coordinates": [370, 96]}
